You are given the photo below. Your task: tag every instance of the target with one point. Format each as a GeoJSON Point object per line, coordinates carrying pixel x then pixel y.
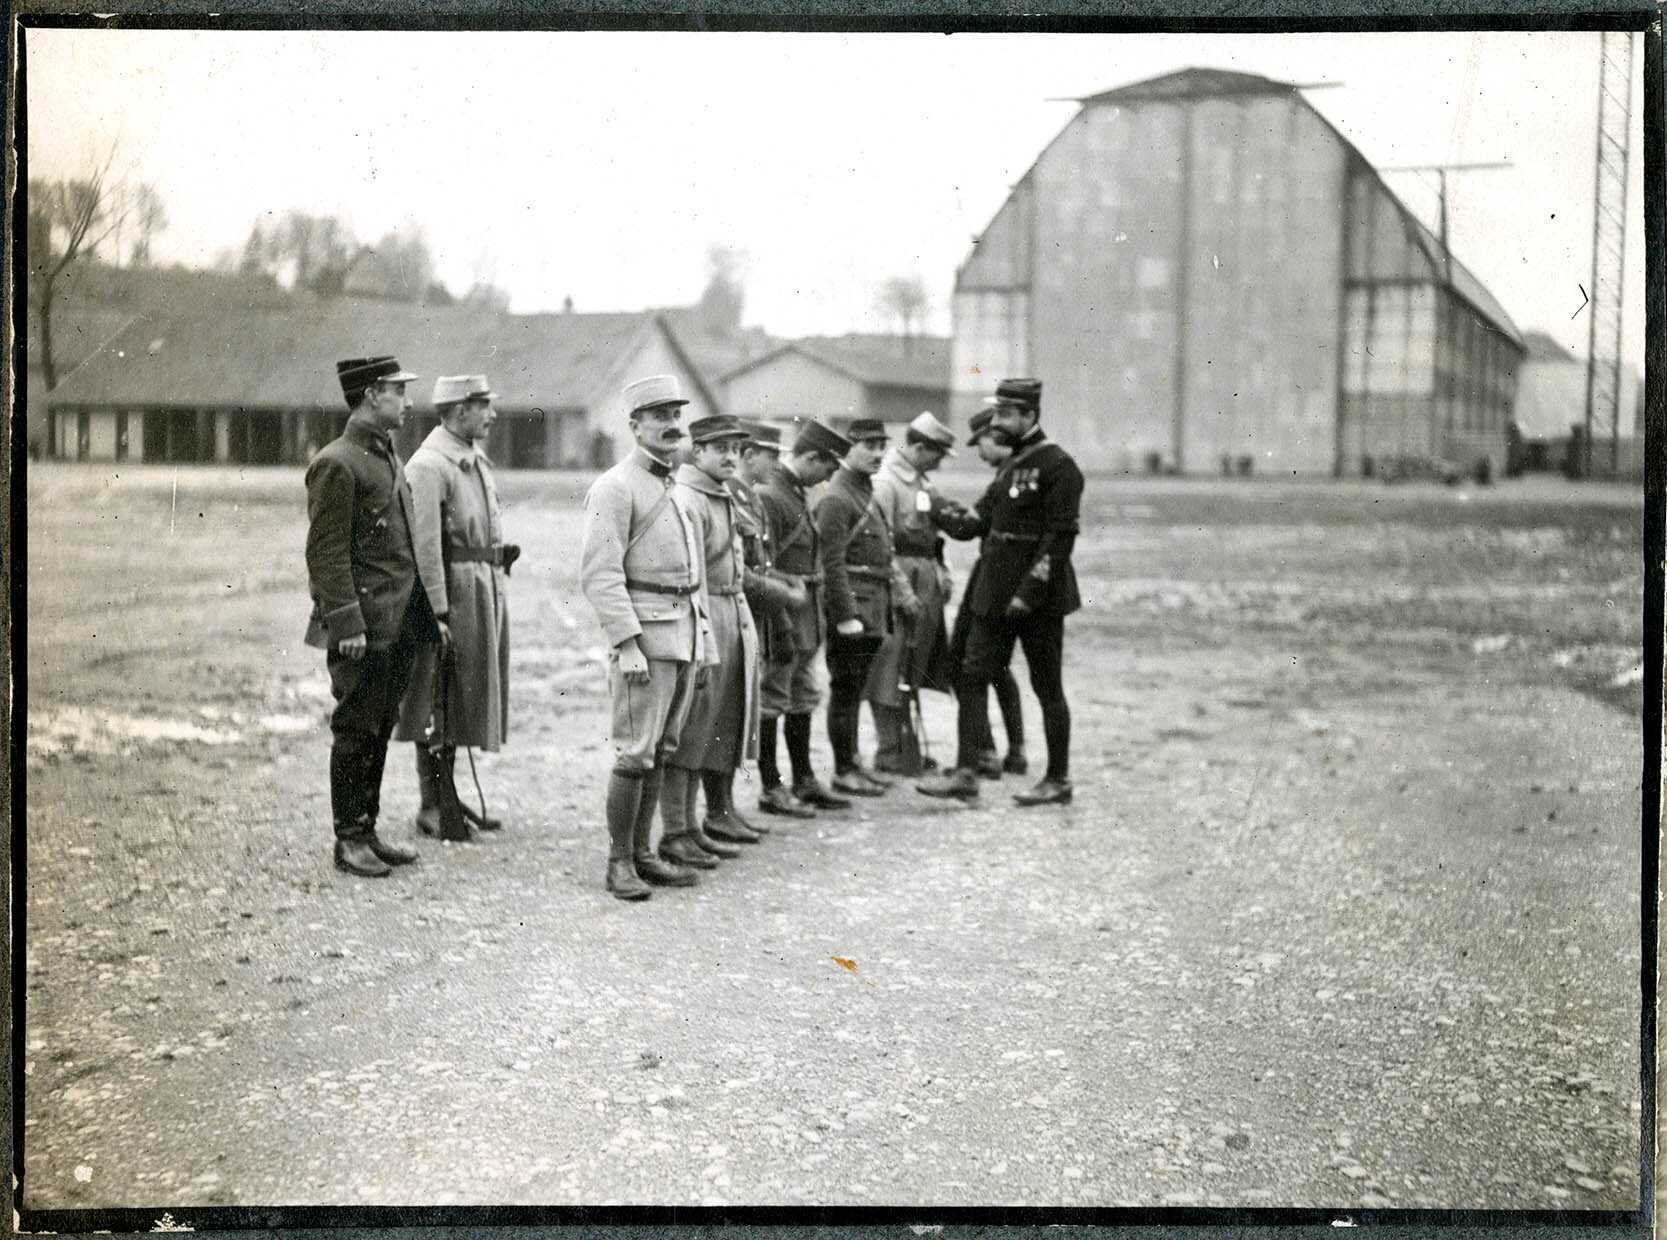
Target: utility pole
{"type": "Point", "coordinates": [1441, 171]}
{"type": "Point", "coordinates": [1614, 157]}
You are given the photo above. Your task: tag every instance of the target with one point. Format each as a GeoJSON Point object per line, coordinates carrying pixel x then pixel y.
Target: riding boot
{"type": "Point", "coordinates": [679, 843]}
{"type": "Point", "coordinates": [428, 789]}
{"type": "Point", "coordinates": [888, 729]}
{"type": "Point", "coordinates": [453, 825]}
{"type": "Point", "coordinates": [652, 869]}
{"type": "Point", "coordinates": [720, 807]}
{"type": "Point", "coordinates": [624, 797]}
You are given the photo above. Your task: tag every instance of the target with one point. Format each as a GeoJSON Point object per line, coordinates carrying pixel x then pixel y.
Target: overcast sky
{"type": "Point", "coordinates": [603, 165]}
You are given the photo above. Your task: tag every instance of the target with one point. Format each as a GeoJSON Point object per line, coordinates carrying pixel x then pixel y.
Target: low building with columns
{"type": "Point", "coordinates": [226, 383]}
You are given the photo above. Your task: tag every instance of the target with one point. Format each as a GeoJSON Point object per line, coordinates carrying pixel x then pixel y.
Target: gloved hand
{"type": "Point", "coordinates": [445, 637]}
{"type": "Point", "coordinates": [849, 628]}
{"type": "Point", "coordinates": [512, 553]}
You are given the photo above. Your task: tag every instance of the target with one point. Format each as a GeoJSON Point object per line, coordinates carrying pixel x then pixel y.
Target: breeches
{"type": "Point", "coordinates": [789, 686]}
{"type": "Point", "coordinates": [648, 718]}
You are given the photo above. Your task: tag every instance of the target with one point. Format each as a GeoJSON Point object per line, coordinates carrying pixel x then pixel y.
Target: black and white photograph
{"type": "Point", "coordinates": [827, 618]}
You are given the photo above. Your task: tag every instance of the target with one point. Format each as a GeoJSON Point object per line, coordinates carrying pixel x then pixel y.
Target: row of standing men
{"type": "Point", "coordinates": [717, 583]}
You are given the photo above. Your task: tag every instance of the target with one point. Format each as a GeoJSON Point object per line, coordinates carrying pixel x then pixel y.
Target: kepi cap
{"type": "Point", "coordinates": [653, 392]}
{"type": "Point", "coordinates": [357, 373]}
{"type": "Point", "coordinates": [927, 426]}
{"type": "Point", "coordinates": [1024, 393]}
{"type": "Point", "coordinates": [455, 389]}
{"type": "Point", "coordinates": [866, 428]}
{"type": "Point", "coordinates": [979, 424]}
{"type": "Point", "coordinates": [762, 434]}
{"type": "Point", "coordinates": [814, 437]}
{"type": "Point", "coordinates": [716, 426]}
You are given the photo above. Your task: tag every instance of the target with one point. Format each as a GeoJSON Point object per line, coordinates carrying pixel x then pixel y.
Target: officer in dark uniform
{"type": "Point", "coordinates": [370, 612]}
{"type": "Point", "coordinates": [862, 587]}
{"type": "Point", "coordinates": [1023, 589]}
{"type": "Point", "coordinates": [796, 633]}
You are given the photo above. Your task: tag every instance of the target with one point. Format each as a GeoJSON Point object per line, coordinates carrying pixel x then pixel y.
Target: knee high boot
{"type": "Point", "coordinates": [453, 825]}
{"type": "Point", "coordinates": [652, 869]}
{"type": "Point", "coordinates": [722, 823]}
{"type": "Point", "coordinates": [428, 790]}
{"type": "Point", "coordinates": [624, 799]}
{"type": "Point", "coordinates": [680, 843]}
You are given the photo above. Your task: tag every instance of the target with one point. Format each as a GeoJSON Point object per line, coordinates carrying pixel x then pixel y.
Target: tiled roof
{"type": "Point", "coordinates": [874, 359]}
{"type": "Point", "coordinates": [229, 355]}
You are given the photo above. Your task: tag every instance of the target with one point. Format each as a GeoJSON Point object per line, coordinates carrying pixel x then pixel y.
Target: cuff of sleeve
{"type": "Point", "coordinates": [344, 622]}
{"type": "Point", "coordinates": [438, 603]}
{"type": "Point", "coordinates": [621, 630]}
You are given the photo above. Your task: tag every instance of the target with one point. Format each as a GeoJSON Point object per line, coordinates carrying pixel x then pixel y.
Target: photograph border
{"type": "Point", "coordinates": [1073, 16]}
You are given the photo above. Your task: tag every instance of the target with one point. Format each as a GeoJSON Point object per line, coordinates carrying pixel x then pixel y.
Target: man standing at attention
{"type": "Point", "coordinates": [1025, 588]}
{"type": "Point", "coordinates": [640, 568]}
{"type": "Point", "coordinates": [915, 656]}
{"type": "Point", "coordinates": [790, 691]}
{"type": "Point", "coordinates": [369, 614]}
{"type": "Point", "coordinates": [464, 564]}
{"type": "Point", "coordinates": [721, 731]}
{"type": "Point", "coordinates": [862, 580]}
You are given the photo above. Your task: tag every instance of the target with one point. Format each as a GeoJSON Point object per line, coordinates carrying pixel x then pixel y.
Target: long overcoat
{"type": "Point", "coordinates": [458, 529]}
{"type": "Point", "coordinates": [722, 728]}
{"type": "Point", "coordinates": [917, 652]}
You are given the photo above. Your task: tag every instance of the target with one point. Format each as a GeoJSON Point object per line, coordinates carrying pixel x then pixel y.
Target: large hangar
{"type": "Point", "coordinates": [1207, 275]}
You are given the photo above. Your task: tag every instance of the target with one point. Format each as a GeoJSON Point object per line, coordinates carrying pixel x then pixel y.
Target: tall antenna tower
{"type": "Point", "coordinates": [1603, 352]}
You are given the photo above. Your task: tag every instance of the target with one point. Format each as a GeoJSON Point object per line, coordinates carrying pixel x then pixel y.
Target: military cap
{"type": "Point", "coordinates": [762, 435]}
{"type": "Point", "coordinates": [927, 428]}
{"type": "Point", "coordinates": [814, 437]}
{"type": "Point", "coordinates": [1025, 393]}
{"type": "Point", "coordinates": [653, 392]}
{"type": "Point", "coordinates": [865, 428]}
{"type": "Point", "coordinates": [358, 373]}
{"type": "Point", "coordinates": [716, 426]}
{"type": "Point", "coordinates": [979, 425]}
{"type": "Point", "coordinates": [455, 389]}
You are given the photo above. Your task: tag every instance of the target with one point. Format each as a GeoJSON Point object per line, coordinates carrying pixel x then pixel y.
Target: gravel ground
{"type": "Point", "coordinates": [1345, 912]}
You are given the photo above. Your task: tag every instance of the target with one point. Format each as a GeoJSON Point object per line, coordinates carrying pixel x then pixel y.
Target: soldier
{"type": "Point", "coordinates": [459, 693]}
{"type": "Point", "coordinates": [790, 691]}
{"type": "Point", "coordinates": [773, 597]}
{"type": "Point", "coordinates": [915, 656]}
{"type": "Point", "coordinates": [864, 589]}
{"type": "Point", "coordinates": [1025, 589]}
{"type": "Point", "coordinates": [369, 616]}
{"type": "Point", "coordinates": [721, 731]}
{"type": "Point", "coordinates": [640, 568]}
{"type": "Point", "coordinates": [990, 765]}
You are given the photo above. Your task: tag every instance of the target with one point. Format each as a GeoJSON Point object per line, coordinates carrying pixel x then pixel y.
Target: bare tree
{"type": "Point", "coordinates": [68, 220]}
{"type": "Point", "coordinates": [150, 217]}
{"type": "Point", "coordinates": [903, 300]}
{"type": "Point", "coordinates": [725, 295]}
{"type": "Point", "coordinates": [396, 268]}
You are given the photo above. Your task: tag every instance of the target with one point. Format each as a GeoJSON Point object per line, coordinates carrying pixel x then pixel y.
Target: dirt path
{"type": "Point", "coordinates": [1345, 912]}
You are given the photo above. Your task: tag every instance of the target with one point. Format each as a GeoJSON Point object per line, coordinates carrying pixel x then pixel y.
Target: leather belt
{"type": "Point", "coordinates": [1014, 536]}
{"type": "Point", "coordinates": [475, 555]}
{"type": "Point", "coordinates": [654, 587]}
{"type": "Point", "coordinates": [727, 591]}
{"type": "Point", "coordinates": [864, 570]}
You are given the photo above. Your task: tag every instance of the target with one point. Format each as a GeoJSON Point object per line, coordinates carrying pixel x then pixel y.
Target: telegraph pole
{"type": "Point", "coordinates": [1614, 158]}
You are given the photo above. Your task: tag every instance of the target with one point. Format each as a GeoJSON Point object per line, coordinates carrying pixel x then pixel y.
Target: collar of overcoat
{"type": "Point", "coordinates": [460, 452]}
{"type": "Point", "coordinates": [695, 478]}
{"type": "Point", "coordinates": [895, 462]}
{"type": "Point", "coordinates": [364, 432]}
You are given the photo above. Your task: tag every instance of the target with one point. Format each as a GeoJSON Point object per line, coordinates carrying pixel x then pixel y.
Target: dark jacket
{"type": "Point", "coordinates": [857, 560]}
{"type": "Point", "coordinates": [796, 550]}
{"type": "Point", "coordinates": [361, 563]}
{"type": "Point", "coordinates": [1029, 516]}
